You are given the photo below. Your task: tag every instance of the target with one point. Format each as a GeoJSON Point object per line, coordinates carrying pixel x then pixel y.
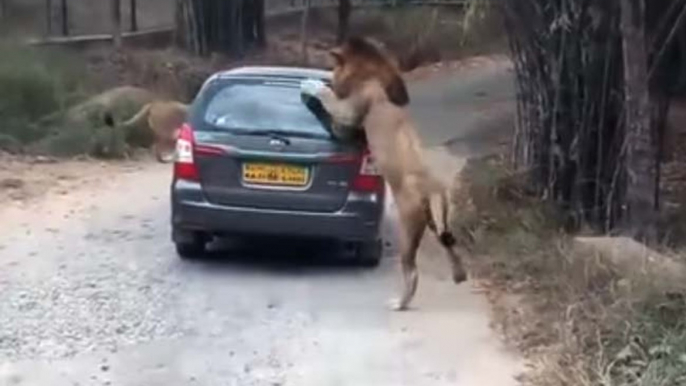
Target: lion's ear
{"type": "Point", "coordinates": [337, 55]}
{"type": "Point", "coordinates": [397, 91]}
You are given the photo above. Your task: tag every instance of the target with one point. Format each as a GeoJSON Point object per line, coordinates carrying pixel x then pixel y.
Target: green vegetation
{"type": "Point", "coordinates": [35, 85]}
{"type": "Point", "coordinates": [580, 318]}
{"type": "Point", "coordinates": [41, 109]}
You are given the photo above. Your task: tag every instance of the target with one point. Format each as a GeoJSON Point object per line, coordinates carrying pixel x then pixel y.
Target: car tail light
{"type": "Point", "coordinates": [368, 179]}
{"type": "Point", "coordinates": [184, 165]}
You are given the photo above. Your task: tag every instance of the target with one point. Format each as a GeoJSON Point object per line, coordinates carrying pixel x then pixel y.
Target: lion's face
{"type": "Point", "coordinates": [350, 71]}
{"type": "Point", "coordinates": [344, 73]}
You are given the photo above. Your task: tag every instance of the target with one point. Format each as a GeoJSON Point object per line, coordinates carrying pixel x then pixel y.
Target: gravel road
{"type": "Point", "coordinates": [93, 294]}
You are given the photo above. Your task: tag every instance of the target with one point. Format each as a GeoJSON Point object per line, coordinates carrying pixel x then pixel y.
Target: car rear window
{"type": "Point", "coordinates": [251, 106]}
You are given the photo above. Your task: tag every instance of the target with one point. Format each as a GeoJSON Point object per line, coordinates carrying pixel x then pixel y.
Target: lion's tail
{"type": "Point", "coordinates": [439, 211]}
{"type": "Point", "coordinates": [139, 117]}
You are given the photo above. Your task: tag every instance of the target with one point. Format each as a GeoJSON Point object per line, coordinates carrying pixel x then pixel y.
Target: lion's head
{"type": "Point", "coordinates": [360, 59]}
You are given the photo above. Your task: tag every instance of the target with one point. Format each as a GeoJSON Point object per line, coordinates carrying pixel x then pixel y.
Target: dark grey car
{"type": "Point", "coordinates": [256, 158]}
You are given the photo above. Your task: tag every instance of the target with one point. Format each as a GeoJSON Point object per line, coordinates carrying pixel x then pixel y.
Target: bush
{"type": "Point", "coordinates": [9, 144]}
{"type": "Point", "coordinates": [68, 142]}
{"type": "Point", "coordinates": [35, 84]}
{"type": "Point", "coordinates": [86, 136]}
{"type": "Point", "coordinates": [581, 318]}
{"type": "Point", "coordinates": [42, 113]}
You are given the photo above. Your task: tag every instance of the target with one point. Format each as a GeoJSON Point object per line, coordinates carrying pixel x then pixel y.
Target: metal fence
{"type": "Point", "coordinates": [301, 4]}
{"type": "Point", "coordinates": [41, 18]}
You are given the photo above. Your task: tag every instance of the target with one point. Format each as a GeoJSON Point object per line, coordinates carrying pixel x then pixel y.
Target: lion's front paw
{"type": "Point", "coordinates": [311, 87]}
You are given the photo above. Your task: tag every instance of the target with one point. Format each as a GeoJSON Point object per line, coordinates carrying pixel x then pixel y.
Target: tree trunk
{"type": "Point", "coordinates": [249, 21]}
{"type": "Point", "coordinates": [303, 31]}
{"type": "Point", "coordinates": [205, 26]}
{"type": "Point", "coordinates": [116, 22]}
{"type": "Point", "coordinates": [3, 9]}
{"type": "Point", "coordinates": [64, 13]}
{"type": "Point", "coordinates": [237, 28]}
{"type": "Point", "coordinates": [260, 15]}
{"type": "Point", "coordinates": [344, 11]}
{"type": "Point", "coordinates": [48, 17]}
{"type": "Point", "coordinates": [181, 30]}
{"type": "Point", "coordinates": [640, 152]}
{"type": "Point", "coordinates": [134, 15]}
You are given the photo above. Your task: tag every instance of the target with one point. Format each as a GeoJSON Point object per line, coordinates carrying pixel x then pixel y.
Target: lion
{"type": "Point", "coordinates": [367, 92]}
{"type": "Point", "coordinates": [163, 119]}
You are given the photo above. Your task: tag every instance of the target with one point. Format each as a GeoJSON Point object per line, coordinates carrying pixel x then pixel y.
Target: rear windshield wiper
{"type": "Point", "coordinates": [316, 108]}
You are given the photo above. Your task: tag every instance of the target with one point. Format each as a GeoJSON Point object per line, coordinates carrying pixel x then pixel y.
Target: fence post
{"type": "Point", "coordinates": [64, 11]}
{"type": "Point", "coordinates": [48, 17]}
{"type": "Point", "coordinates": [116, 22]}
{"type": "Point", "coordinates": [303, 31]}
{"type": "Point", "coordinates": [134, 15]}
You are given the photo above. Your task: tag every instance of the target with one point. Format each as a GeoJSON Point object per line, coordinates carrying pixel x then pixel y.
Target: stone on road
{"type": "Point", "coordinates": [93, 294]}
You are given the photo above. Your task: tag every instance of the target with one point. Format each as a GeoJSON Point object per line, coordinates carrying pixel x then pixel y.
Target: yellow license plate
{"type": "Point", "coordinates": [275, 174]}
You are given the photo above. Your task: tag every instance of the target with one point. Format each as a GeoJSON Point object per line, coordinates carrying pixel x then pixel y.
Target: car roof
{"type": "Point", "coordinates": [275, 71]}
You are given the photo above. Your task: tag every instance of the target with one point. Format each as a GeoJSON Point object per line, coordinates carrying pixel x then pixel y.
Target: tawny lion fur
{"type": "Point", "coordinates": [368, 91]}
{"type": "Point", "coordinates": [164, 119]}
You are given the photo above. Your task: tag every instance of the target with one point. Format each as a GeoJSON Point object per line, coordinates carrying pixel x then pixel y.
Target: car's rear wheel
{"type": "Point", "coordinates": [369, 253]}
{"type": "Point", "coordinates": [191, 247]}
{"type": "Point", "coordinates": [190, 250]}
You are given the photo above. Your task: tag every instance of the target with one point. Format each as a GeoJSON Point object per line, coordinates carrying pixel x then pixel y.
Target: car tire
{"type": "Point", "coordinates": [191, 249]}
{"type": "Point", "coordinates": [369, 253]}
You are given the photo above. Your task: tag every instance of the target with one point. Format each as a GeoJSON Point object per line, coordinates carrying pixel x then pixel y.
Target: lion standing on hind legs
{"type": "Point", "coordinates": [368, 91]}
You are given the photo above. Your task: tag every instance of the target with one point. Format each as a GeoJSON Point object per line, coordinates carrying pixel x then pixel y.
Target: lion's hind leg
{"type": "Point", "coordinates": [438, 213]}
{"type": "Point", "coordinates": [413, 222]}
{"type": "Point", "coordinates": [459, 272]}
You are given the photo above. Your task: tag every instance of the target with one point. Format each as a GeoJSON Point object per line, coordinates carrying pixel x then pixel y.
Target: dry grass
{"type": "Point", "coordinates": [418, 36]}
{"type": "Point", "coordinates": [580, 319]}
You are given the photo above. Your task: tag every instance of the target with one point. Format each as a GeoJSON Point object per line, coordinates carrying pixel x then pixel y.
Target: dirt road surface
{"type": "Point", "coordinates": [93, 294]}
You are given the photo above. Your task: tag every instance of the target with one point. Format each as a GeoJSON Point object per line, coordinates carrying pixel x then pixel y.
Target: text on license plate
{"type": "Point", "coordinates": [275, 174]}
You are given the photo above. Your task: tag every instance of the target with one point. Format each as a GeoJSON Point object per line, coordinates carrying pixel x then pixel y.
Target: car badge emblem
{"type": "Point", "coordinates": [277, 142]}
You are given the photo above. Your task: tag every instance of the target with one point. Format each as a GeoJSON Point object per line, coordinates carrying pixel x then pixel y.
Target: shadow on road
{"type": "Point", "coordinates": [278, 255]}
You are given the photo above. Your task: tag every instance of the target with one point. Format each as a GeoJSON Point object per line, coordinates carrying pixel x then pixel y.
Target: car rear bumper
{"type": "Point", "coordinates": [358, 220]}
